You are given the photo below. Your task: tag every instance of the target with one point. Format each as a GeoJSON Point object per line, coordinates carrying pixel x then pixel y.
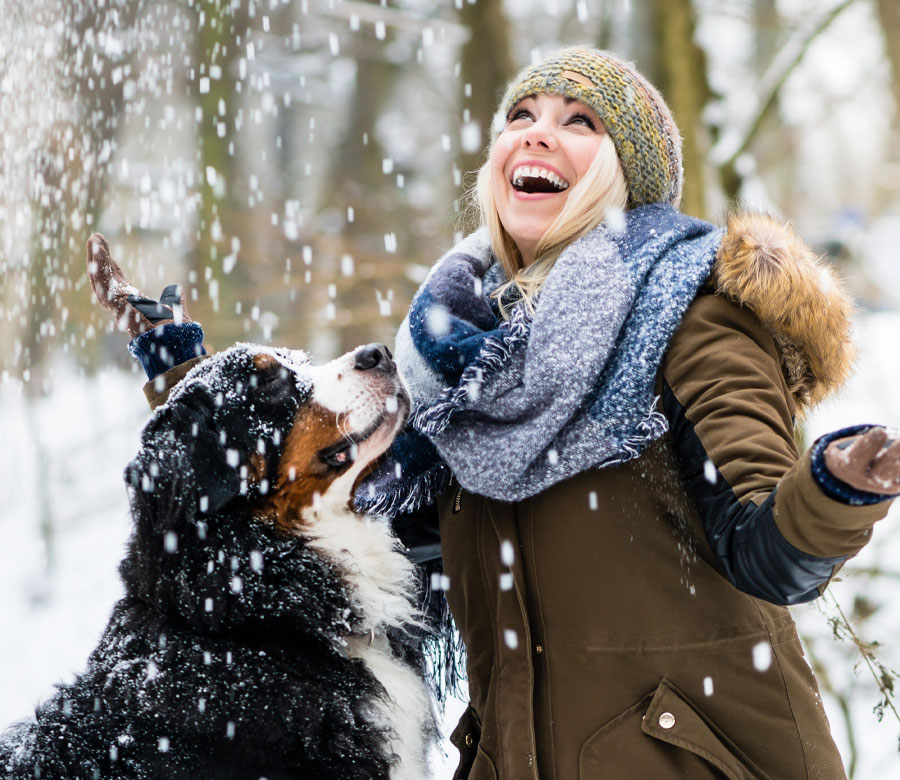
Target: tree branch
{"type": "Point", "coordinates": [777, 74]}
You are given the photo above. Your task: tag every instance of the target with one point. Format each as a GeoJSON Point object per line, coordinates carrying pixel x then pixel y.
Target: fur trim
{"type": "Point", "coordinates": [763, 265]}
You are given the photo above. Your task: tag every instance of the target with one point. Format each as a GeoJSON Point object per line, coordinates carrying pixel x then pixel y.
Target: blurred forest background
{"type": "Point", "coordinates": [299, 164]}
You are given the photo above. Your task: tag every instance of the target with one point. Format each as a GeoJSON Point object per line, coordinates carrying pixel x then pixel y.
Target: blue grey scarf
{"type": "Point", "coordinates": [510, 407]}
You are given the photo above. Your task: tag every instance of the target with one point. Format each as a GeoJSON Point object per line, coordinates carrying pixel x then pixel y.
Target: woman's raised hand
{"type": "Point", "coordinates": [133, 312]}
{"type": "Point", "coordinates": [868, 461]}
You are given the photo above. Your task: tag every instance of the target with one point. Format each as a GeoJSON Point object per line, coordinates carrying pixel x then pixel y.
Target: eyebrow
{"type": "Point", "coordinates": [566, 98]}
{"type": "Point", "coordinates": [568, 101]}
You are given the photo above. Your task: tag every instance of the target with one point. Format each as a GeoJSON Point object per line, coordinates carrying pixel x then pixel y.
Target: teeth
{"type": "Point", "coordinates": [533, 172]}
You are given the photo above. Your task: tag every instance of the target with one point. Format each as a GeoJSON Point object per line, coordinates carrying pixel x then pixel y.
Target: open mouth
{"type": "Point", "coordinates": [347, 449]}
{"type": "Point", "coordinates": [533, 179]}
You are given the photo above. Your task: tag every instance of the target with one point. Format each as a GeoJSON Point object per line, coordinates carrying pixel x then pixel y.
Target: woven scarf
{"type": "Point", "coordinates": [509, 407]}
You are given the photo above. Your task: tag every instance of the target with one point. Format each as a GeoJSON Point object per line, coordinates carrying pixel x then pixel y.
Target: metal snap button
{"type": "Point", "coordinates": [666, 720]}
{"type": "Point", "coordinates": [469, 740]}
{"type": "Point", "coordinates": [539, 649]}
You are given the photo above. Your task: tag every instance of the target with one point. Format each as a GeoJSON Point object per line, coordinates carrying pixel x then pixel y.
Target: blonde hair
{"type": "Point", "coordinates": [601, 189]}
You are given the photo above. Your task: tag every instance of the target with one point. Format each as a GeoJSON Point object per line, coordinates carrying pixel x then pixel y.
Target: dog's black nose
{"type": "Point", "coordinates": [373, 356]}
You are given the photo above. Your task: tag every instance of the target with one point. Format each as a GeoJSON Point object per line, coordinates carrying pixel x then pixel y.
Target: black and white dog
{"type": "Point", "coordinates": [267, 630]}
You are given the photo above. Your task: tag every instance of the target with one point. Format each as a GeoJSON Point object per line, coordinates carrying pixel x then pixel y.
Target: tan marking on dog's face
{"type": "Point", "coordinates": [302, 474]}
{"type": "Point", "coordinates": [349, 421]}
{"type": "Point", "coordinates": [258, 468]}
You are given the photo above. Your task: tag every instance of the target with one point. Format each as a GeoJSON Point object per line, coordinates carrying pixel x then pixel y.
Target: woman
{"type": "Point", "coordinates": [605, 393]}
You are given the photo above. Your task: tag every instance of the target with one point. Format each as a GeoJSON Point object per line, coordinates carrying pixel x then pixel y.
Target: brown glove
{"type": "Point", "coordinates": [134, 312]}
{"type": "Point", "coordinates": [869, 461]}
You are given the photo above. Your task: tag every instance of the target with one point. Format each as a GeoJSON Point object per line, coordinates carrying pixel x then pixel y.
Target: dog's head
{"type": "Point", "coordinates": [263, 426]}
{"type": "Point", "coordinates": [246, 443]}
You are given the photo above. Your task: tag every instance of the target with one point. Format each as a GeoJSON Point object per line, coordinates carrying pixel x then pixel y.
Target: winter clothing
{"type": "Point", "coordinates": [163, 335]}
{"type": "Point", "coordinates": [133, 312]}
{"type": "Point", "coordinates": [633, 112]}
{"type": "Point", "coordinates": [625, 621]}
{"type": "Point", "coordinates": [605, 634]}
{"type": "Point", "coordinates": [167, 346]}
{"type": "Point", "coordinates": [516, 406]}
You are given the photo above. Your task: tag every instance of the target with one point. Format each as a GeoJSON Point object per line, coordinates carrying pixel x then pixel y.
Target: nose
{"type": "Point", "coordinates": [373, 356]}
{"type": "Point", "coordinates": [540, 134]}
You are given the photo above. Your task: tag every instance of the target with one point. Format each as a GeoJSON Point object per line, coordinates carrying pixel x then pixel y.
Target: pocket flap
{"type": "Point", "coordinates": [465, 738]}
{"type": "Point", "coordinates": [673, 719]}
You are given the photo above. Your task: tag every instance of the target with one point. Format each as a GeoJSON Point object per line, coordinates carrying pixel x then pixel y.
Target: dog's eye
{"type": "Point", "coordinates": [340, 456]}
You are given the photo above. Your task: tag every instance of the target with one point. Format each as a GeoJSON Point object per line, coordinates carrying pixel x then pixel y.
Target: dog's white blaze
{"type": "Point", "coordinates": [381, 579]}
{"type": "Point", "coordinates": [344, 390]}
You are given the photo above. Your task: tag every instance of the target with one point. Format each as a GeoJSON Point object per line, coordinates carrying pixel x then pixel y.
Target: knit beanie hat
{"type": "Point", "coordinates": [634, 113]}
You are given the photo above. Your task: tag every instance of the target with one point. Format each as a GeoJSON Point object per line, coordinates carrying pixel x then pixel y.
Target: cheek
{"type": "Point", "coordinates": [499, 156]}
{"type": "Point", "coordinates": [582, 155]}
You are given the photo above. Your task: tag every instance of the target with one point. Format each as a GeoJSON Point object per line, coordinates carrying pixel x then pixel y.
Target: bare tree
{"type": "Point", "coordinates": [889, 17]}
{"type": "Point", "coordinates": [485, 67]}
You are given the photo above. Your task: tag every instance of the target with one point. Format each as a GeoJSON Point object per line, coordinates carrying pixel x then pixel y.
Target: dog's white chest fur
{"type": "Point", "coordinates": [380, 579]}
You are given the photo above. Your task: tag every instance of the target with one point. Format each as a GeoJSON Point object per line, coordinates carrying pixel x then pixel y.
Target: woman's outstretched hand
{"type": "Point", "coordinates": [869, 461]}
{"type": "Point", "coordinates": [133, 312]}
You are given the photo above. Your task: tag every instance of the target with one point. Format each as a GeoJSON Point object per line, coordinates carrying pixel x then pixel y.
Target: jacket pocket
{"type": "Point", "coordinates": [465, 738]}
{"type": "Point", "coordinates": [664, 736]}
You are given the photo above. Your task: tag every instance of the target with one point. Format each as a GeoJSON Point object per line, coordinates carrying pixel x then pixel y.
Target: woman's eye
{"type": "Point", "coordinates": [582, 119]}
{"type": "Point", "coordinates": [519, 113]}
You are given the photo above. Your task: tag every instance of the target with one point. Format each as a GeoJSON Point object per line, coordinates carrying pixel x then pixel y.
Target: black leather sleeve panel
{"type": "Point", "coordinates": [747, 544]}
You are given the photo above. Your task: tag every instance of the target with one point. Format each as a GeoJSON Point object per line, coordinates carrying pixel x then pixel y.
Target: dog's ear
{"type": "Point", "coordinates": [184, 463]}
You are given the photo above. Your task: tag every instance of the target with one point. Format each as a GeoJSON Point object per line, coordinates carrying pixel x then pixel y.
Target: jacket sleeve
{"type": "Point", "coordinates": [167, 353]}
{"type": "Point", "coordinates": [157, 390]}
{"type": "Point", "coordinates": [778, 523]}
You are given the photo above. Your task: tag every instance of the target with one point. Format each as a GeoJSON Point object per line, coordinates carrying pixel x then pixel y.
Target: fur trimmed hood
{"type": "Point", "coordinates": [763, 265]}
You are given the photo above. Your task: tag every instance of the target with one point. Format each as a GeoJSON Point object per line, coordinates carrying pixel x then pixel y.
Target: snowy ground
{"type": "Point", "coordinates": [90, 428]}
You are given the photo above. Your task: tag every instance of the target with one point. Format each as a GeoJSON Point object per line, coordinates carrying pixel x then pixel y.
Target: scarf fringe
{"type": "Point", "coordinates": [442, 645]}
{"type": "Point", "coordinates": [403, 496]}
{"type": "Point", "coordinates": [433, 418]}
{"type": "Point", "coordinates": [649, 429]}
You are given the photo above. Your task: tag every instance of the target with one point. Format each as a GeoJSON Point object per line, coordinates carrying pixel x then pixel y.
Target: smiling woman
{"type": "Point", "coordinates": [552, 175]}
{"type": "Point", "coordinates": [543, 153]}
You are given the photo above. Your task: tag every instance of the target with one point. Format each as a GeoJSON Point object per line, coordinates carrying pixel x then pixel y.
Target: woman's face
{"type": "Point", "coordinates": [545, 149]}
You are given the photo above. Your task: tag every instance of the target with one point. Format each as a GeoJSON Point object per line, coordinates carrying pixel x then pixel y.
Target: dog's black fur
{"type": "Point", "coordinates": [221, 660]}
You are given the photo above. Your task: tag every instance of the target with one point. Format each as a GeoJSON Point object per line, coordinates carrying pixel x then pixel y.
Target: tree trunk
{"type": "Point", "coordinates": [889, 16]}
{"type": "Point", "coordinates": [682, 80]}
{"type": "Point", "coordinates": [485, 67]}
{"type": "Point", "coordinates": [216, 93]}
{"type": "Point", "coordinates": [69, 178]}
{"type": "Point", "coordinates": [363, 184]}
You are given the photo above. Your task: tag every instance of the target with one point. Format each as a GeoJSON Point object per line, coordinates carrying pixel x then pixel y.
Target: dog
{"type": "Point", "coordinates": [267, 630]}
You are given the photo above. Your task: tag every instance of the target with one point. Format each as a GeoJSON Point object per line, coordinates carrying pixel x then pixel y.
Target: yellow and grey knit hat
{"type": "Point", "coordinates": [634, 113]}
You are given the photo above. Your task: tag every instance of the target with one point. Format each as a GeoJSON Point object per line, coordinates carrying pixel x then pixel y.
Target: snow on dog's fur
{"type": "Point", "coordinates": [267, 630]}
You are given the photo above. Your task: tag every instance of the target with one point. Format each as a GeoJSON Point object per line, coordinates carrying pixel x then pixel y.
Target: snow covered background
{"type": "Point", "coordinates": [90, 426]}
{"type": "Point", "coordinates": [346, 245]}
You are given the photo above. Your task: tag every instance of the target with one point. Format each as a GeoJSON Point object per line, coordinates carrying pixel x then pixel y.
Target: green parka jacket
{"type": "Point", "coordinates": [604, 639]}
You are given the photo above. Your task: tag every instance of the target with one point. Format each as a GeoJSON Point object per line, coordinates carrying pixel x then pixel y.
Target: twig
{"type": "Point", "coordinates": [883, 676]}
